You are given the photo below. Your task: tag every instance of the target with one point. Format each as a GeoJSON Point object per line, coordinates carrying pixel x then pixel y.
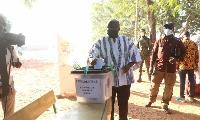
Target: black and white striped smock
{"type": "Point", "coordinates": [119, 54]}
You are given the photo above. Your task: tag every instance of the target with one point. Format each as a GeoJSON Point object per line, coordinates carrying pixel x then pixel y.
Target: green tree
{"type": "Point", "coordinates": [124, 11]}
{"type": "Point", "coordinates": [153, 14]}
{"type": "Point", "coordinates": [29, 3]}
{"type": "Point", "coordinates": [100, 16]}
{"type": "Point", "coordinates": [106, 10]}
{"type": "Point", "coordinates": [172, 11]}
{"type": "Point", "coordinates": [192, 13]}
{"type": "Point", "coordinates": [8, 23]}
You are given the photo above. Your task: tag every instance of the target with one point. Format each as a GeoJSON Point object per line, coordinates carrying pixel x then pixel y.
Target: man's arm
{"type": "Point", "coordinates": [134, 56]}
{"type": "Point", "coordinates": [16, 61]}
{"type": "Point", "coordinates": [137, 44]}
{"type": "Point", "coordinates": [94, 53]}
{"type": "Point", "coordinates": [127, 67]}
{"type": "Point", "coordinates": [92, 61]}
{"type": "Point", "coordinates": [196, 56]}
{"type": "Point", "coordinates": [149, 46]}
{"type": "Point", "coordinates": [183, 51]}
{"type": "Point", "coordinates": [149, 43]}
{"type": "Point", "coordinates": [177, 65]}
{"type": "Point", "coordinates": [153, 56]}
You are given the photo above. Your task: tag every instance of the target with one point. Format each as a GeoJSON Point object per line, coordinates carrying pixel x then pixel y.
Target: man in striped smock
{"type": "Point", "coordinates": [124, 56]}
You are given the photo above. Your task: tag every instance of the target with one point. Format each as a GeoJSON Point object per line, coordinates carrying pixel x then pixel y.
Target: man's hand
{"type": "Point", "coordinates": [172, 60]}
{"type": "Point", "coordinates": [150, 71]}
{"type": "Point", "coordinates": [17, 64]}
{"type": "Point", "coordinates": [93, 62]}
{"type": "Point", "coordinates": [126, 68]}
{"type": "Point", "coordinates": [177, 69]}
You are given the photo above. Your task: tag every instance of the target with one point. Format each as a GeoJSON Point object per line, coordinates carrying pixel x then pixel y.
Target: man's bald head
{"type": "Point", "coordinates": [113, 28]}
{"type": "Point", "coordinates": [113, 24]}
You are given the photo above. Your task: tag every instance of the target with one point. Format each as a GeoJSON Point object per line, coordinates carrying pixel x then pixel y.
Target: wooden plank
{"type": "Point", "coordinates": [108, 109]}
{"type": "Point", "coordinates": [34, 109]}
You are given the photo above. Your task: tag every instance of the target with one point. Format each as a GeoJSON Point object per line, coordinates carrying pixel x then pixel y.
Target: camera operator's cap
{"type": "Point", "coordinates": [142, 30]}
{"type": "Point", "coordinates": [2, 21]}
{"type": "Point", "coordinates": [169, 25]}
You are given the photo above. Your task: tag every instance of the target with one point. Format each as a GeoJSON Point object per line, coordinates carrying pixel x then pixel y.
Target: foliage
{"type": "Point", "coordinates": [124, 11]}
{"type": "Point", "coordinates": [29, 3]}
{"type": "Point", "coordinates": [8, 23]}
{"type": "Point", "coordinates": [165, 11]}
{"type": "Point", "coordinates": [192, 11]}
{"type": "Point", "coordinates": [103, 12]}
{"type": "Point", "coordinates": [172, 10]}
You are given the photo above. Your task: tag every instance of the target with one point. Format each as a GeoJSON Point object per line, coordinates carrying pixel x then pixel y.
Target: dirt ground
{"type": "Point", "coordinates": [39, 74]}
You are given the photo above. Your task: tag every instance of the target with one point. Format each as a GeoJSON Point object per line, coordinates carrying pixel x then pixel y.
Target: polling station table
{"type": "Point", "coordinates": [93, 91]}
{"type": "Point", "coordinates": [85, 111]}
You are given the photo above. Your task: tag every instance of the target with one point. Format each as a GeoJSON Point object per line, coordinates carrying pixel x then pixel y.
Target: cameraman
{"type": "Point", "coordinates": [7, 90]}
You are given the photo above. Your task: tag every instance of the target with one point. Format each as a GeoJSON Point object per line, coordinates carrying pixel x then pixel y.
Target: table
{"type": "Point", "coordinates": [87, 111]}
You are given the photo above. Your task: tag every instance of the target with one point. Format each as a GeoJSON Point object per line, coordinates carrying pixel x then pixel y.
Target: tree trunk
{"type": "Point", "coordinates": [152, 22]}
{"type": "Point", "coordinates": [136, 22]}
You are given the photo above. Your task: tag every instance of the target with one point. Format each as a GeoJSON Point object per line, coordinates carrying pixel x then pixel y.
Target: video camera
{"type": "Point", "coordinates": [7, 39]}
{"type": "Point", "coordinates": [176, 51]}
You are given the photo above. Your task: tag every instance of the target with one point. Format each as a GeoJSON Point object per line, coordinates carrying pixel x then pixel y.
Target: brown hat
{"type": "Point", "coordinates": [169, 25]}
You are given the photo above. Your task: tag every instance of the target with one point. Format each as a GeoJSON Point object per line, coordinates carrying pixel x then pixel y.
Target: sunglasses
{"type": "Point", "coordinates": [112, 28]}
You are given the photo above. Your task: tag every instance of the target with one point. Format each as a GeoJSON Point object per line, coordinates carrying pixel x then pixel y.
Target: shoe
{"type": "Point", "coordinates": [166, 110]}
{"type": "Point", "coordinates": [180, 99]}
{"type": "Point", "coordinates": [139, 80]}
{"type": "Point", "coordinates": [148, 104]}
{"type": "Point", "coordinates": [191, 99]}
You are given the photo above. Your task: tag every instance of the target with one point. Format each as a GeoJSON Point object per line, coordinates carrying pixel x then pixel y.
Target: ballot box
{"type": "Point", "coordinates": [93, 86]}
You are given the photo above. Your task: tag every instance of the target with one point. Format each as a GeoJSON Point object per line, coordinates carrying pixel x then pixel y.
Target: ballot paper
{"type": "Point", "coordinates": [99, 64]}
{"type": "Point", "coordinates": [135, 66]}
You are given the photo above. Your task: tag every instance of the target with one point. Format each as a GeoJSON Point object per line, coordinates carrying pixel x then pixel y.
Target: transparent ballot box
{"type": "Point", "coordinates": [95, 86]}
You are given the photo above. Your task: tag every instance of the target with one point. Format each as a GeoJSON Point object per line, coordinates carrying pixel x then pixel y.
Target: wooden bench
{"type": "Point", "coordinates": [87, 111]}
{"type": "Point", "coordinates": [34, 109]}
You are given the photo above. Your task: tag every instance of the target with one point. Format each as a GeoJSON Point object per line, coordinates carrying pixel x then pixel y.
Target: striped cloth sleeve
{"type": "Point", "coordinates": [94, 52]}
{"type": "Point", "coordinates": [134, 53]}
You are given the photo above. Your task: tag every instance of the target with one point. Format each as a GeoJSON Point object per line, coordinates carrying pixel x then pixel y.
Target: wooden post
{"type": "Point", "coordinates": [136, 21]}
{"type": "Point", "coordinates": [65, 63]}
{"type": "Point", "coordinates": [152, 22]}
